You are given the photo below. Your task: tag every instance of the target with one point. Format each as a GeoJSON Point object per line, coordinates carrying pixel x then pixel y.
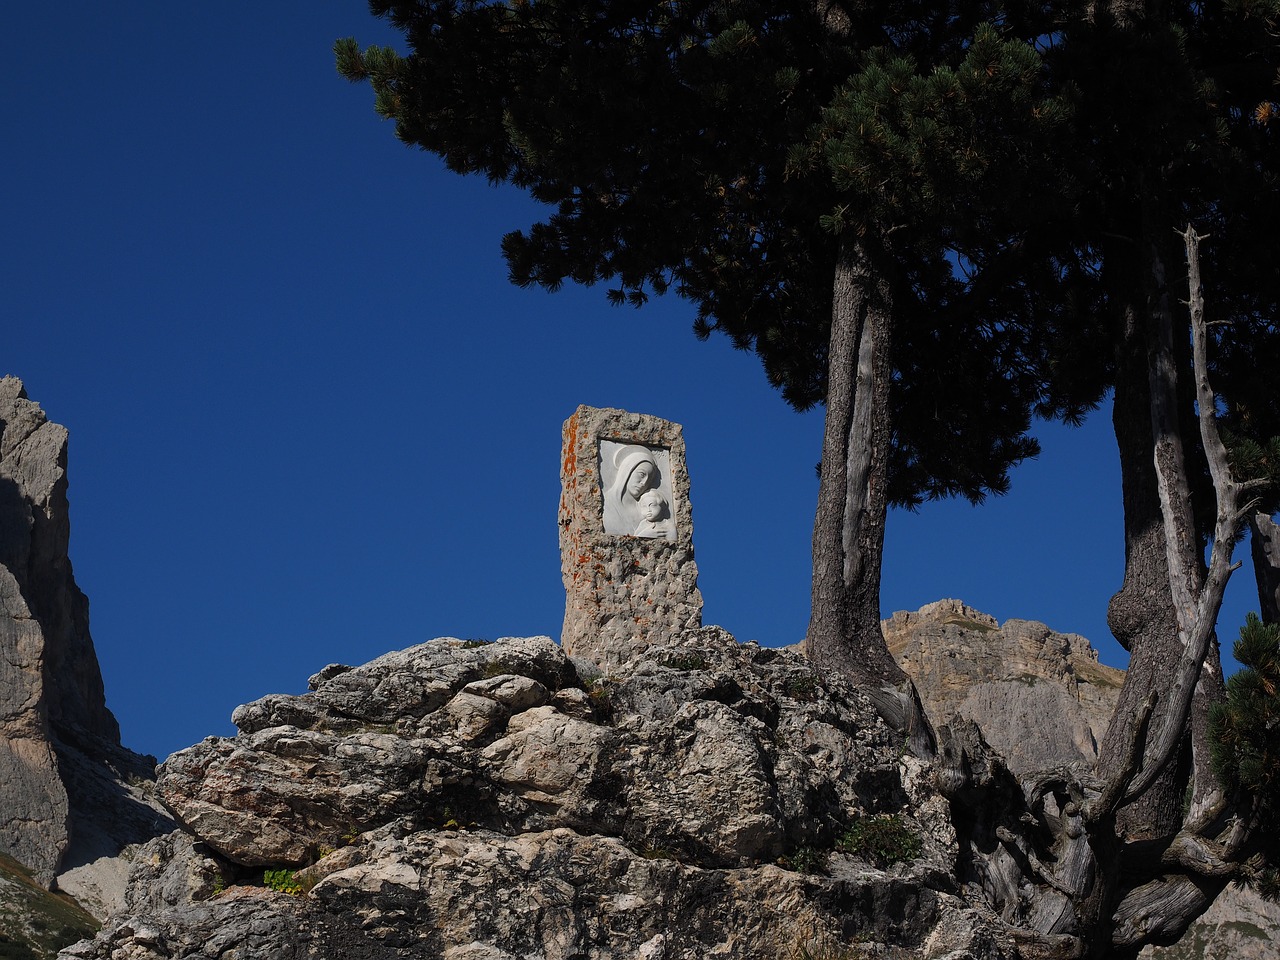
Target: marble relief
{"type": "Point", "coordinates": [636, 481]}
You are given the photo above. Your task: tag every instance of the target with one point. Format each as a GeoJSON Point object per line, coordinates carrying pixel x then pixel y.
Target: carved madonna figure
{"type": "Point", "coordinates": [637, 471]}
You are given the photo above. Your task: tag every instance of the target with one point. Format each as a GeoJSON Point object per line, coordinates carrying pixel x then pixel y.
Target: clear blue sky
{"type": "Point", "coordinates": [312, 422]}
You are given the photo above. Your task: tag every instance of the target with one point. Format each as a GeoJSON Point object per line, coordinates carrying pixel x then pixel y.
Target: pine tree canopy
{"type": "Point", "coordinates": [711, 149]}
{"type": "Point", "coordinates": [986, 153]}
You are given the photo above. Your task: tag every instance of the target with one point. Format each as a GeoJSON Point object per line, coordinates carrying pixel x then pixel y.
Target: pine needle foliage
{"type": "Point", "coordinates": [1247, 725]}
{"type": "Point", "coordinates": [1247, 739]}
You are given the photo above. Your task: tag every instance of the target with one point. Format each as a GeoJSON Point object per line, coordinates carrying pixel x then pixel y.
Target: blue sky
{"type": "Point", "coordinates": [312, 422]}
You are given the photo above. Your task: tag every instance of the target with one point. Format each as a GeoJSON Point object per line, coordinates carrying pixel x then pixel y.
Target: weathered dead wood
{"type": "Point", "coordinates": [1197, 596]}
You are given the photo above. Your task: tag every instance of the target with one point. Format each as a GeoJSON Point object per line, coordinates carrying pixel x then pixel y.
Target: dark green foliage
{"type": "Point", "coordinates": [686, 661]}
{"type": "Point", "coordinates": [1247, 726]}
{"type": "Point", "coordinates": [1247, 739]}
{"type": "Point", "coordinates": [882, 840]}
{"type": "Point", "coordinates": [684, 147]}
{"type": "Point", "coordinates": [805, 860]}
{"type": "Point", "coordinates": [802, 686]}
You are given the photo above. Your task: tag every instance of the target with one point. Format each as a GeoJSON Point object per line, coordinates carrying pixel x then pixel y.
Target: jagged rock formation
{"type": "Point", "coordinates": [484, 802]}
{"type": "Point", "coordinates": [1042, 699]}
{"type": "Point", "coordinates": [65, 803]}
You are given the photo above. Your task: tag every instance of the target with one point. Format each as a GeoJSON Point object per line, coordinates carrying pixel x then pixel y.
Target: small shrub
{"type": "Point", "coordinates": [882, 841]}
{"type": "Point", "coordinates": [802, 687]}
{"type": "Point", "coordinates": [805, 860]}
{"type": "Point", "coordinates": [687, 661]}
{"type": "Point", "coordinates": [283, 881]}
{"type": "Point", "coordinates": [473, 642]}
{"type": "Point", "coordinates": [499, 666]}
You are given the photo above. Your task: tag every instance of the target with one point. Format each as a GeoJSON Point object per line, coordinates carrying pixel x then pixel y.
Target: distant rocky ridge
{"type": "Point", "coordinates": [1041, 697]}
{"type": "Point", "coordinates": [71, 797]}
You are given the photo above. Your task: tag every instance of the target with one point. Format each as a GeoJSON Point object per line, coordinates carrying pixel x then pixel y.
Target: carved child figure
{"type": "Point", "coordinates": [657, 521]}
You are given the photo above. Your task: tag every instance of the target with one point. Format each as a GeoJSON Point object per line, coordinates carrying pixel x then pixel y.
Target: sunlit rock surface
{"type": "Point", "coordinates": [469, 800]}
{"type": "Point", "coordinates": [71, 798]}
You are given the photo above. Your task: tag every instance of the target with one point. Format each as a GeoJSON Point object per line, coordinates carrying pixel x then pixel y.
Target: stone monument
{"type": "Point", "coordinates": [626, 535]}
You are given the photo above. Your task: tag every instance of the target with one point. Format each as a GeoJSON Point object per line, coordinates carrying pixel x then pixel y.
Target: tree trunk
{"type": "Point", "coordinates": [848, 532]}
{"type": "Point", "coordinates": [1264, 543]}
{"type": "Point", "coordinates": [1141, 614]}
{"type": "Point", "coordinates": [1050, 850]}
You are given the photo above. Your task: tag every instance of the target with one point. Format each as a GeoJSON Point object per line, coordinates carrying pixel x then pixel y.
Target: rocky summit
{"type": "Point", "coordinates": [677, 796]}
{"type": "Point", "coordinates": [482, 801]}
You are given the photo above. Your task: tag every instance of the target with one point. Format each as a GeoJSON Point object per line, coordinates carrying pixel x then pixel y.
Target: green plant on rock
{"type": "Point", "coordinates": [805, 859]}
{"type": "Point", "coordinates": [500, 666]}
{"type": "Point", "coordinates": [687, 661]}
{"type": "Point", "coordinates": [802, 687]}
{"type": "Point", "coordinates": [282, 880]}
{"type": "Point", "coordinates": [1246, 740]}
{"type": "Point", "coordinates": [880, 840]}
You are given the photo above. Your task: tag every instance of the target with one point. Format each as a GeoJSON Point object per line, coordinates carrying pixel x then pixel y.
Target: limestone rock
{"type": "Point", "coordinates": [629, 582]}
{"type": "Point", "coordinates": [498, 805]}
{"type": "Point", "coordinates": [1040, 697]}
{"type": "Point", "coordinates": [64, 805]}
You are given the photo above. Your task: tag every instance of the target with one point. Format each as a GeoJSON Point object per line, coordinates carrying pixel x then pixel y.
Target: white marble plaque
{"type": "Point", "coordinates": [636, 484]}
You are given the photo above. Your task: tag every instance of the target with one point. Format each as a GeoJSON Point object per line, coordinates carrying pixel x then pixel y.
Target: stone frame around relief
{"type": "Point", "coordinates": [608, 449]}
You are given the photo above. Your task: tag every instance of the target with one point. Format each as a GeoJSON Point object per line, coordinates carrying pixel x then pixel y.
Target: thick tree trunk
{"type": "Point", "coordinates": [1141, 614]}
{"type": "Point", "coordinates": [1050, 850]}
{"type": "Point", "coordinates": [848, 532]}
{"type": "Point", "coordinates": [1264, 543]}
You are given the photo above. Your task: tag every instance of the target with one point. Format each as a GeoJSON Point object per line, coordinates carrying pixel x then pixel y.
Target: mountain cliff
{"type": "Point", "coordinates": [71, 797]}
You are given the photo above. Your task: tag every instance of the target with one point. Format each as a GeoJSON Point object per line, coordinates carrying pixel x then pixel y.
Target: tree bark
{"type": "Point", "coordinates": [1141, 614]}
{"type": "Point", "coordinates": [848, 532]}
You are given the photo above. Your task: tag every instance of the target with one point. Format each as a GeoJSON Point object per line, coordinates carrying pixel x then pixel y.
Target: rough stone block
{"type": "Point", "coordinates": [626, 535]}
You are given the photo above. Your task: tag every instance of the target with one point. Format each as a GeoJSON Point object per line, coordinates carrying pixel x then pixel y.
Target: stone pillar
{"type": "Point", "coordinates": [626, 535]}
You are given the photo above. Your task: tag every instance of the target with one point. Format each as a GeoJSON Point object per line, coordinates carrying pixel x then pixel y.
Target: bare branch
{"type": "Point", "coordinates": [1197, 599]}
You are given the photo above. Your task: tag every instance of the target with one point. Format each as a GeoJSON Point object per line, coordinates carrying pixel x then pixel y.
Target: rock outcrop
{"type": "Point", "coordinates": [486, 801]}
{"type": "Point", "coordinates": [66, 799]}
{"type": "Point", "coordinates": [1041, 697]}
